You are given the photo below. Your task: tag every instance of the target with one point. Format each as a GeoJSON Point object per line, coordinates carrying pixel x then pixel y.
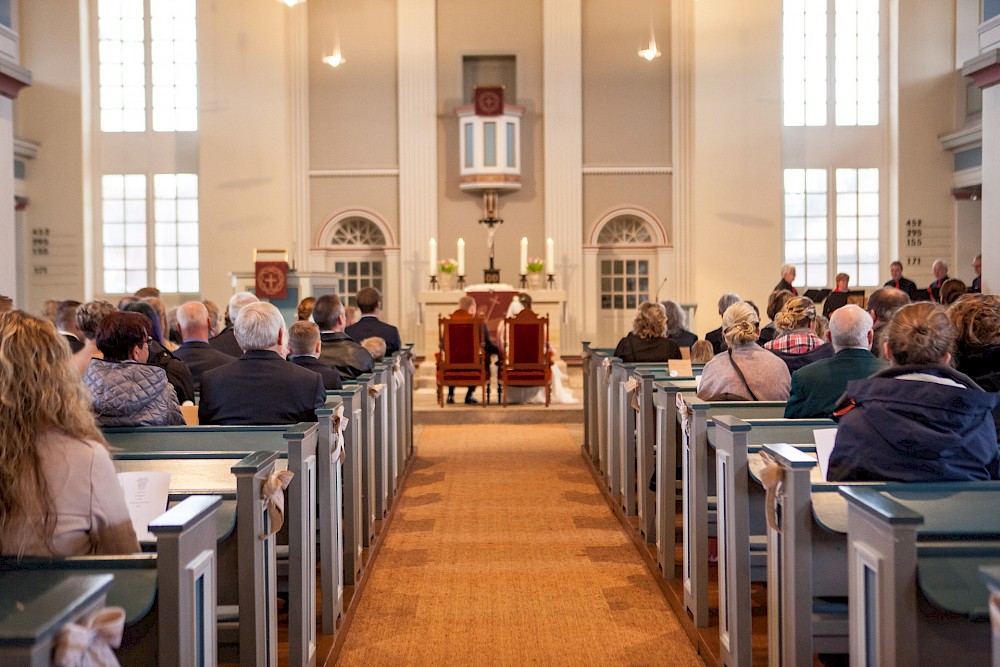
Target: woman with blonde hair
{"type": "Point", "coordinates": [918, 420]}
{"type": "Point", "coordinates": [648, 342]}
{"type": "Point", "coordinates": [59, 495]}
{"type": "Point", "coordinates": [745, 371]}
{"type": "Point", "coordinates": [797, 326]}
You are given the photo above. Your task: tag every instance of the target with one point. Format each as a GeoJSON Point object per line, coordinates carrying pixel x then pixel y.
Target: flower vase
{"type": "Point", "coordinates": [447, 281]}
{"type": "Point", "coordinates": [536, 280]}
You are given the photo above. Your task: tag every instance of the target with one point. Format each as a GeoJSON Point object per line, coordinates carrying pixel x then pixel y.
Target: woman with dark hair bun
{"type": "Point", "coordinates": [126, 390]}
{"type": "Point", "coordinates": [919, 420]}
{"type": "Point", "coordinates": [178, 373]}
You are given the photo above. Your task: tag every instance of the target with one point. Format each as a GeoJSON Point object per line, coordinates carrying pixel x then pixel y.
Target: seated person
{"type": "Point", "coordinates": [6, 303]}
{"type": "Point", "coordinates": [303, 350]}
{"type": "Point", "coordinates": [677, 325]}
{"type": "Point", "coordinates": [897, 280]}
{"type": "Point", "coordinates": [467, 309]}
{"type": "Point", "coordinates": [560, 393]}
{"type": "Point", "coordinates": [375, 346]}
{"type": "Point", "coordinates": [126, 390]}
{"type": "Point", "coordinates": [226, 340]}
{"type": "Point", "coordinates": [838, 297]}
{"type": "Point", "coordinates": [370, 304]}
{"type": "Point", "coordinates": [61, 496]}
{"type": "Point", "coordinates": [918, 420]}
{"type": "Point", "coordinates": [351, 315]}
{"type": "Point", "coordinates": [193, 323]}
{"type": "Point", "coordinates": [715, 336]}
{"type": "Point", "coordinates": [66, 324]}
{"type": "Point", "coordinates": [951, 290]}
{"type": "Point", "coordinates": [796, 324]}
{"type": "Point", "coordinates": [745, 371]}
{"type": "Point", "coordinates": [787, 278]}
{"type": "Point", "coordinates": [305, 310]}
{"type": "Point", "coordinates": [882, 304]}
{"type": "Point", "coordinates": [647, 341]}
{"type": "Point", "coordinates": [260, 387]}
{"type": "Point", "coordinates": [940, 270]}
{"type": "Point", "coordinates": [976, 318]}
{"type": "Point", "coordinates": [88, 316]}
{"type": "Point", "coordinates": [816, 388]}
{"type": "Point", "coordinates": [775, 303]}
{"type": "Point", "coordinates": [701, 352]}
{"type": "Point", "coordinates": [339, 350]}
{"type": "Point", "coordinates": [977, 282]}
{"type": "Point", "coordinates": [213, 318]}
{"type": "Point", "coordinates": [178, 373]}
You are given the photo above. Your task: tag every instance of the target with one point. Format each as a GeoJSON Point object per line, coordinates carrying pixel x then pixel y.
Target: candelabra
{"type": "Point", "coordinates": [524, 281]}
{"type": "Point", "coordinates": [552, 280]}
{"type": "Point", "coordinates": [434, 283]}
{"type": "Point", "coordinates": [461, 281]}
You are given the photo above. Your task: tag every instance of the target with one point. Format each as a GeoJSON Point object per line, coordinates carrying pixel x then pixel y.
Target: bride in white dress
{"type": "Point", "coordinates": [525, 395]}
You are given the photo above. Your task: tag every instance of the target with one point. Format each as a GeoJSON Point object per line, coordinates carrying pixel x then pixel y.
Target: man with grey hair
{"type": "Point", "coordinates": [715, 336]}
{"type": "Point", "coordinates": [817, 387]}
{"type": "Point", "coordinates": [194, 325]}
{"type": "Point", "coordinates": [940, 270]}
{"type": "Point", "coordinates": [261, 387]}
{"type": "Point", "coordinates": [787, 278]}
{"type": "Point", "coordinates": [226, 340]}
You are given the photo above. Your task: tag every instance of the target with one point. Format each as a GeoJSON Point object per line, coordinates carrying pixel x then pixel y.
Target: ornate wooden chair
{"type": "Point", "coordinates": [461, 360]}
{"type": "Point", "coordinates": [527, 362]}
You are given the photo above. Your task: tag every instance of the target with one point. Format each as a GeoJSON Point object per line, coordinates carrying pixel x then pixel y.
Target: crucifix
{"type": "Point", "coordinates": [490, 219]}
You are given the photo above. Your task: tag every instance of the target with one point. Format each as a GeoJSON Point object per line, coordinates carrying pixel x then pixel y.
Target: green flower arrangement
{"type": "Point", "coordinates": [448, 266]}
{"type": "Point", "coordinates": [535, 265]}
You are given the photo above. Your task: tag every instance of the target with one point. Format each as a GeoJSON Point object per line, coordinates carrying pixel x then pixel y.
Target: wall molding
{"type": "Point", "coordinates": [352, 173]}
{"type": "Point", "coordinates": [597, 170]}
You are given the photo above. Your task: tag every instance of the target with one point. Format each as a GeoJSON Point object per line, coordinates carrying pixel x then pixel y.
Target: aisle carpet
{"type": "Point", "coordinates": [503, 552]}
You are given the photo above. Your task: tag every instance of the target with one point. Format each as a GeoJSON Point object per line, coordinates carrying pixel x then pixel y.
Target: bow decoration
{"type": "Point", "coordinates": [272, 492]}
{"type": "Point", "coordinates": [92, 641]}
{"type": "Point", "coordinates": [686, 414]}
{"type": "Point", "coordinates": [340, 423]}
{"type": "Point", "coordinates": [631, 388]}
{"type": "Point", "coordinates": [397, 372]}
{"type": "Point", "coordinates": [771, 478]}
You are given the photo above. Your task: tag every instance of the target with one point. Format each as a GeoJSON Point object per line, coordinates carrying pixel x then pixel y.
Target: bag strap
{"type": "Point", "coordinates": [739, 372]}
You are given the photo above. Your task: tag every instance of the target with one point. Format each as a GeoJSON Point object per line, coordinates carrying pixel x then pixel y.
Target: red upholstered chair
{"type": "Point", "coordinates": [461, 361]}
{"type": "Point", "coordinates": [527, 362]}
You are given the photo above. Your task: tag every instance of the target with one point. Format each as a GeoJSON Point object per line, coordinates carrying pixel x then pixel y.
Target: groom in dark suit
{"type": "Point", "coordinates": [817, 387]}
{"type": "Point", "coordinates": [369, 326]}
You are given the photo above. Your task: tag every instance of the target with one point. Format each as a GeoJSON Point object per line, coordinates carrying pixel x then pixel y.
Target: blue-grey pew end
{"type": "Point", "coordinates": [353, 471]}
{"type": "Point", "coordinates": [36, 605]}
{"type": "Point", "coordinates": [368, 466]}
{"type": "Point", "coordinates": [330, 454]}
{"type": "Point", "coordinates": [169, 597]}
{"type": "Point", "coordinates": [914, 553]}
{"type": "Point", "coordinates": [667, 443]}
{"type": "Point", "coordinates": [742, 525]}
{"type": "Point", "coordinates": [991, 575]}
{"type": "Point", "coordinates": [696, 474]}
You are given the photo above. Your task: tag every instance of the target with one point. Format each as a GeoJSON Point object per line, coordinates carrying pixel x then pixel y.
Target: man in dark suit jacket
{"type": "Point", "coordinates": [940, 269]}
{"type": "Point", "coordinates": [260, 387]}
{"type": "Point", "coordinates": [816, 388]}
{"type": "Point", "coordinates": [715, 336]}
{"type": "Point", "coordinates": [787, 278]}
{"type": "Point", "coordinates": [194, 325]}
{"type": "Point", "coordinates": [977, 282]}
{"type": "Point", "coordinates": [898, 281]}
{"type": "Point", "coordinates": [226, 340]}
{"type": "Point", "coordinates": [338, 349]}
{"type": "Point", "coordinates": [67, 326]}
{"type": "Point", "coordinates": [303, 350]}
{"type": "Point", "coordinates": [370, 305]}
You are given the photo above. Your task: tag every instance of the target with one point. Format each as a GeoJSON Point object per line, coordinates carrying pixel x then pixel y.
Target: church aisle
{"type": "Point", "coordinates": [503, 552]}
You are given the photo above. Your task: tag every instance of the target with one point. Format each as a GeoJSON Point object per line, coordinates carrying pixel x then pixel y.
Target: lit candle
{"type": "Point", "coordinates": [461, 256]}
{"type": "Point", "coordinates": [524, 255]}
{"type": "Point", "coordinates": [550, 256]}
{"type": "Point", "coordinates": [433, 261]}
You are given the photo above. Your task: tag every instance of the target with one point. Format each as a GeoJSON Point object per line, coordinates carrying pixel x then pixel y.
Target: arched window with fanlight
{"type": "Point", "coordinates": [628, 247]}
{"type": "Point", "coordinates": [353, 244]}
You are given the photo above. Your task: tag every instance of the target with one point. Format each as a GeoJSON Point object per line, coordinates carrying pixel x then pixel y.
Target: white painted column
{"type": "Point", "coordinates": [416, 43]}
{"type": "Point", "coordinates": [682, 136]}
{"type": "Point", "coordinates": [562, 106]}
{"type": "Point", "coordinates": [297, 40]}
{"type": "Point", "coordinates": [9, 245]}
{"type": "Point", "coordinates": [991, 190]}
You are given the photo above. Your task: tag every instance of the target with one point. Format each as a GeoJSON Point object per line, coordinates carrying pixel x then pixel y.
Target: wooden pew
{"type": "Point", "coordinates": [353, 471]}
{"type": "Point", "coordinates": [256, 567]}
{"type": "Point", "coordinates": [169, 596]}
{"type": "Point", "coordinates": [991, 576]}
{"type": "Point", "coordinates": [742, 526]}
{"type": "Point", "coordinates": [667, 445]}
{"type": "Point", "coordinates": [914, 553]}
{"type": "Point", "coordinates": [383, 446]}
{"type": "Point", "coordinates": [368, 466]}
{"type": "Point", "coordinates": [696, 478]}
{"type": "Point", "coordinates": [36, 605]}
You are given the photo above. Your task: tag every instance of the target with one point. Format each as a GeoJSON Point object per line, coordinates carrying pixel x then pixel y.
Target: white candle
{"type": "Point", "coordinates": [461, 256]}
{"type": "Point", "coordinates": [433, 260]}
{"type": "Point", "coordinates": [524, 255]}
{"type": "Point", "coordinates": [550, 256]}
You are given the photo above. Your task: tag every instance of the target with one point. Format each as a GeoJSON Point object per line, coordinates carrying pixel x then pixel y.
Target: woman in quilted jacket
{"type": "Point", "coordinates": [126, 390]}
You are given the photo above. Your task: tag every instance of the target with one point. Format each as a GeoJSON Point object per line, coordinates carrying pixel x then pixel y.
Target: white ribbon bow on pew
{"type": "Point", "coordinates": [272, 492]}
{"type": "Point", "coordinates": [995, 611]}
{"type": "Point", "coordinates": [685, 412]}
{"type": "Point", "coordinates": [607, 370]}
{"type": "Point", "coordinates": [631, 388]}
{"type": "Point", "coordinates": [92, 641]}
{"type": "Point", "coordinates": [374, 391]}
{"type": "Point", "coordinates": [397, 372]}
{"type": "Point", "coordinates": [339, 426]}
{"type": "Point", "coordinates": [771, 478]}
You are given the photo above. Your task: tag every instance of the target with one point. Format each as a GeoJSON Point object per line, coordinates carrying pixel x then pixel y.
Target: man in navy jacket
{"type": "Point", "coordinates": [370, 304]}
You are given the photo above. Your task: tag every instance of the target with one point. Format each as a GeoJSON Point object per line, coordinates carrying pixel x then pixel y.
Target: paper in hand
{"type": "Point", "coordinates": [146, 498]}
{"type": "Point", "coordinates": [825, 439]}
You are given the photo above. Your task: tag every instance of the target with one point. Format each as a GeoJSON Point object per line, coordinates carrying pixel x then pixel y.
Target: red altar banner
{"type": "Point", "coordinates": [272, 280]}
{"type": "Point", "coordinates": [489, 100]}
